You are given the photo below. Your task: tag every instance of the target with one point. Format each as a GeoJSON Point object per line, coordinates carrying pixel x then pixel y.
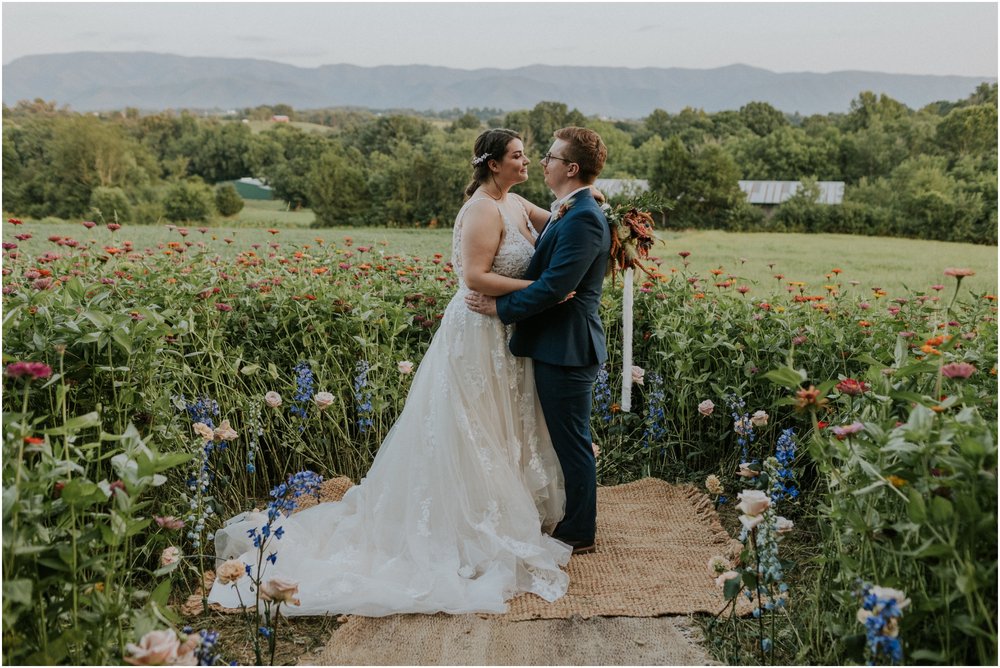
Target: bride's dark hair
{"type": "Point", "coordinates": [490, 145]}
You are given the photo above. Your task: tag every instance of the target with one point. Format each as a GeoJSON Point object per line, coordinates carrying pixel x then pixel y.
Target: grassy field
{"type": "Point", "coordinates": [754, 258]}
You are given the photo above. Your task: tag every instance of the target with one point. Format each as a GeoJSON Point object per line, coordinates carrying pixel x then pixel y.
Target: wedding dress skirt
{"type": "Point", "coordinates": [450, 516]}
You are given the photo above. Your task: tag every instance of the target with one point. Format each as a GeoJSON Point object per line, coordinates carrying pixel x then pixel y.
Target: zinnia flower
{"type": "Point", "coordinates": [852, 387]}
{"type": "Point", "coordinates": [706, 407]}
{"type": "Point", "coordinates": [959, 272]}
{"type": "Point", "coordinates": [169, 522]}
{"type": "Point", "coordinates": [32, 370]}
{"type": "Point", "coordinates": [958, 370]}
{"type": "Point", "coordinates": [843, 431]}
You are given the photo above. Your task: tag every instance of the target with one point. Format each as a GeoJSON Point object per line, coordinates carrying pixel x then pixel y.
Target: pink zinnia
{"type": "Point", "coordinates": [852, 387]}
{"type": "Point", "coordinates": [848, 429]}
{"type": "Point", "coordinates": [937, 286]}
{"type": "Point", "coordinates": [33, 370]}
{"type": "Point", "coordinates": [114, 227]}
{"type": "Point", "coordinates": [958, 370]}
{"type": "Point", "coordinates": [89, 224]}
{"type": "Point", "coordinates": [959, 272]}
{"type": "Point", "coordinates": [223, 307]}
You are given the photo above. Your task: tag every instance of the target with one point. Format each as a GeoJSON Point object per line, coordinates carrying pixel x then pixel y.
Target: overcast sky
{"type": "Point", "coordinates": [907, 38]}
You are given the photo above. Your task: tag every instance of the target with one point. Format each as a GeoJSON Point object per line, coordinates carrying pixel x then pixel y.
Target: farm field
{"type": "Point", "coordinates": [864, 412]}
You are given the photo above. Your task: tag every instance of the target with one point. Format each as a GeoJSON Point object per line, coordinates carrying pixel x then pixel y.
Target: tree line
{"type": "Point", "coordinates": [928, 173]}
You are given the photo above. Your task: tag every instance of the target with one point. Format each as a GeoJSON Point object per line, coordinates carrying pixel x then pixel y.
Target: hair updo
{"type": "Point", "coordinates": [493, 145]}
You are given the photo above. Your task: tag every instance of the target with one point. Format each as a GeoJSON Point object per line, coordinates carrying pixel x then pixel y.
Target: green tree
{"type": "Point", "coordinates": [761, 118]}
{"type": "Point", "coordinates": [291, 161]}
{"type": "Point", "coordinates": [969, 130]}
{"type": "Point", "coordinates": [338, 188]}
{"type": "Point", "coordinates": [189, 200]}
{"type": "Point", "coordinates": [227, 200]}
{"type": "Point", "coordinates": [703, 184]}
{"type": "Point", "coordinates": [110, 204]}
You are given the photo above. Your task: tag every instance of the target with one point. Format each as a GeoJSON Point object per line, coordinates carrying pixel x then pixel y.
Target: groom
{"type": "Point", "coordinates": [565, 338]}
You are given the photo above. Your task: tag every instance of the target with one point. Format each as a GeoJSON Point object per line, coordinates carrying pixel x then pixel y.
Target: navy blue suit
{"type": "Point", "coordinates": [567, 343]}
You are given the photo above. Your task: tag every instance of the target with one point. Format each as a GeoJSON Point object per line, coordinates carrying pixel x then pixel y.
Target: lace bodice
{"type": "Point", "coordinates": [512, 256]}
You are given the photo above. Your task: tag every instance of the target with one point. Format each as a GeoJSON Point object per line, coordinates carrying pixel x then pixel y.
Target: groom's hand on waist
{"type": "Point", "coordinates": [481, 303]}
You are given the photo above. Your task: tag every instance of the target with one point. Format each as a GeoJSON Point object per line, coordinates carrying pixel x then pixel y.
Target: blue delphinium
{"type": "Point", "coordinates": [742, 425]}
{"type": "Point", "coordinates": [305, 384]}
{"type": "Point", "coordinates": [202, 410]}
{"type": "Point", "coordinates": [656, 429]}
{"type": "Point", "coordinates": [783, 481]}
{"type": "Point", "coordinates": [602, 394]}
{"type": "Point", "coordinates": [882, 610]}
{"type": "Point", "coordinates": [205, 652]}
{"type": "Point", "coordinates": [362, 398]}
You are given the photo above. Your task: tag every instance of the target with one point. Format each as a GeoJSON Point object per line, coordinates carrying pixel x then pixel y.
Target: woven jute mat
{"type": "Point", "coordinates": [478, 640]}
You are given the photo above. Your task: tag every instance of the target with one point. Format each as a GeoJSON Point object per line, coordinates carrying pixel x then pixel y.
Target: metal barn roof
{"type": "Point", "coordinates": [776, 192]}
{"type": "Point", "coordinates": [613, 187]}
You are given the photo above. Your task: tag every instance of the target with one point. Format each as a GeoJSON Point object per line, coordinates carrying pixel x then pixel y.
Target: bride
{"type": "Point", "coordinates": [453, 515]}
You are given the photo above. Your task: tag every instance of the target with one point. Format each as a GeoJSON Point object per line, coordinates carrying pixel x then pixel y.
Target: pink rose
{"type": "Point", "coordinates": [750, 521]}
{"type": "Point", "coordinates": [405, 367]}
{"type": "Point", "coordinates": [322, 399]}
{"type": "Point", "coordinates": [272, 399]}
{"type": "Point", "coordinates": [171, 555]}
{"type": "Point", "coordinates": [169, 522]}
{"type": "Point", "coordinates": [706, 407]}
{"type": "Point", "coordinates": [638, 375]}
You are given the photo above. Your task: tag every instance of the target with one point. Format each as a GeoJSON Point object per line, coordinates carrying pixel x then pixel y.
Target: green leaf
{"type": "Point", "coordinates": [917, 509]}
{"type": "Point", "coordinates": [272, 370]}
{"type": "Point", "coordinates": [941, 509]}
{"type": "Point", "coordinates": [731, 588]}
{"type": "Point", "coordinates": [786, 377]}
{"type": "Point", "coordinates": [76, 424]}
{"type": "Point", "coordinates": [929, 656]}
{"type": "Point", "coordinates": [82, 493]}
{"type": "Point", "coordinates": [250, 369]}
{"type": "Point", "coordinates": [17, 591]}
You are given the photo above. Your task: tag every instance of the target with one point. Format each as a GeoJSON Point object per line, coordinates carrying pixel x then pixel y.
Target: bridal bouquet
{"type": "Point", "coordinates": [631, 235]}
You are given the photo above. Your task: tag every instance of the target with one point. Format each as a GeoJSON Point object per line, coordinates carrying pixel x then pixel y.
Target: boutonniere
{"type": "Point", "coordinates": [566, 206]}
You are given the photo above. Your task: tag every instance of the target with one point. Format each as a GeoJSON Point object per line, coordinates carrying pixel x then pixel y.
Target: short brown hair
{"type": "Point", "coordinates": [586, 148]}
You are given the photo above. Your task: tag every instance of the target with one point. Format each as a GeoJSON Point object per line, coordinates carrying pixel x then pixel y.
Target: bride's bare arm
{"type": "Point", "coordinates": [538, 216]}
{"type": "Point", "coordinates": [481, 236]}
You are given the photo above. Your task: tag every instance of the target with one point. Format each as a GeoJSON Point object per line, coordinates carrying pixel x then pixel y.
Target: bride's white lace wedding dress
{"type": "Point", "coordinates": [450, 516]}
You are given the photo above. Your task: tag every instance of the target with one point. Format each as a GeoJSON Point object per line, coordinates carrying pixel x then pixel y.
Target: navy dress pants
{"type": "Point", "coordinates": [566, 395]}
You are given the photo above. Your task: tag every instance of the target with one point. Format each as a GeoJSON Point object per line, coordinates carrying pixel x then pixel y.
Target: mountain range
{"type": "Point", "coordinates": [102, 81]}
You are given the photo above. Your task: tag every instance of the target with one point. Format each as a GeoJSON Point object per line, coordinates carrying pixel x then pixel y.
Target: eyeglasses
{"type": "Point", "coordinates": [548, 156]}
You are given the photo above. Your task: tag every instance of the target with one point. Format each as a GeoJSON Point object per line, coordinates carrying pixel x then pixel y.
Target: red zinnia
{"type": "Point", "coordinates": [852, 387]}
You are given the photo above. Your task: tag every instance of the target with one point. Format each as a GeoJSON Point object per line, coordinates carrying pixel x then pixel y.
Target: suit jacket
{"type": "Point", "coordinates": [572, 254]}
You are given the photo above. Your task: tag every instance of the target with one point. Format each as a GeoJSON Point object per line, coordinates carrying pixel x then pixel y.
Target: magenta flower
{"type": "Point", "coordinates": [223, 307]}
{"type": "Point", "coordinates": [114, 227]}
{"type": "Point", "coordinates": [846, 430]}
{"type": "Point", "coordinates": [89, 224]}
{"type": "Point", "coordinates": [33, 370]}
{"type": "Point", "coordinates": [958, 370]}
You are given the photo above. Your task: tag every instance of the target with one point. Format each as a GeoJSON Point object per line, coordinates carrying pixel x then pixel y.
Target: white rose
{"type": "Point", "coordinates": [272, 399]}
{"type": "Point", "coordinates": [759, 419]}
{"type": "Point", "coordinates": [170, 555]}
{"type": "Point", "coordinates": [706, 407]}
{"type": "Point", "coordinates": [156, 648]}
{"type": "Point", "coordinates": [280, 590]}
{"type": "Point", "coordinates": [893, 594]}
{"type": "Point", "coordinates": [405, 367]}
{"type": "Point", "coordinates": [728, 575]}
{"type": "Point", "coordinates": [783, 525]}
{"type": "Point", "coordinates": [323, 399]}
{"type": "Point", "coordinates": [750, 521]}
{"type": "Point", "coordinates": [231, 571]}
{"type": "Point", "coordinates": [746, 472]}
{"type": "Point", "coordinates": [638, 374]}
{"type": "Point", "coordinates": [753, 501]}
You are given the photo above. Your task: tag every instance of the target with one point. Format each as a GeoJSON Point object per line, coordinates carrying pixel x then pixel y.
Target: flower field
{"type": "Point", "coordinates": [158, 380]}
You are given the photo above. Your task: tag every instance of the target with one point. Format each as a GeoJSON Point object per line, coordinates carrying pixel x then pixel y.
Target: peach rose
{"type": "Point", "coordinates": [751, 521]}
{"type": "Point", "coordinates": [322, 399]}
{"type": "Point", "coordinates": [203, 430]}
{"type": "Point", "coordinates": [230, 571]}
{"type": "Point", "coordinates": [156, 648]}
{"type": "Point", "coordinates": [783, 525]}
{"type": "Point", "coordinates": [224, 432]}
{"type": "Point", "coordinates": [280, 590]}
{"type": "Point", "coordinates": [759, 419]}
{"type": "Point", "coordinates": [638, 375]}
{"type": "Point", "coordinates": [170, 555]}
{"type": "Point", "coordinates": [405, 367]}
